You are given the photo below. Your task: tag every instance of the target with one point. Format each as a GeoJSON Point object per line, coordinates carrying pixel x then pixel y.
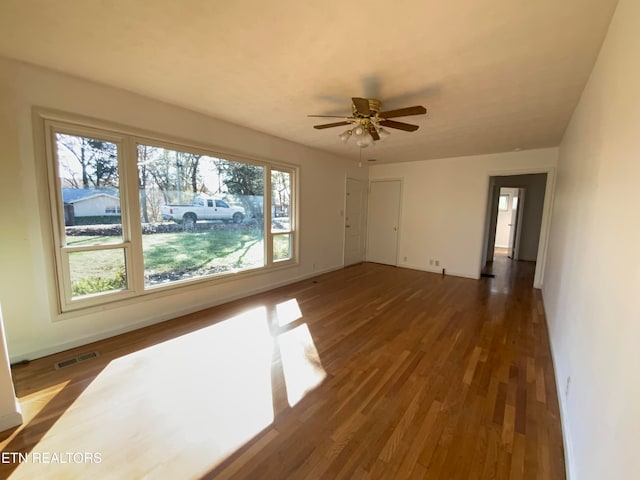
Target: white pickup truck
{"type": "Point", "coordinates": [203, 208]}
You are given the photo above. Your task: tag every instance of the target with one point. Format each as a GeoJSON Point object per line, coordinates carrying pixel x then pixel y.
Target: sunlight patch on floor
{"type": "Point", "coordinates": [183, 405]}
{"type": "Point", "coordinates": [180, 407]}
{"type": "Point", "coordinates": [288, 312]}
{"type": "Point", "coordinates": [32, 408]}
{"type": "Point", "coordinates": [301, 363]}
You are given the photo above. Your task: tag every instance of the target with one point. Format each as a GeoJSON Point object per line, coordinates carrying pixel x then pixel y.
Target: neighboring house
{"type": "Point", "coordinates": [90, 202]}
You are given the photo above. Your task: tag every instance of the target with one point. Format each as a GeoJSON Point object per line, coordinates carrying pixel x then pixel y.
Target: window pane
{"type": "Point", "coordinates": [503, 203]}
{"type": "Point", "coordinates": [280, 201]}
{"type": "Point", "coordinates": [281, 247]}
{"type": "Point", "coordinates": [200, 215]}
{"type": "Point", "coordinates": [88, 171]}
{"type": "Point", "coordinates": [97, 271]}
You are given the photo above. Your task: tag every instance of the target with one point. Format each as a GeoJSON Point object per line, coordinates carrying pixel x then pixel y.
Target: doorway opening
{"type": "Point", "coordinates": [514, 222]}
{"type": "Point", "coordinates": [509, 223]}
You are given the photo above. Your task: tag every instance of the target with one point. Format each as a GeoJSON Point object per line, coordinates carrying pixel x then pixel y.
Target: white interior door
{"type": "Point", "coordinates": [506, 221]}
{"type": "Point", "coordinates": [354, 225]}
{"type": "Point", "coordinates": [383, 220]}
{"type": "Point", "coordinates": [513, 222]}
{"type": "Point", "coordinates": [518, 228]}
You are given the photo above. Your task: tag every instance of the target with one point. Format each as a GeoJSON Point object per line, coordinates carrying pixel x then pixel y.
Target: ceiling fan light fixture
{"type": "Point", "coordinates": [383, 133]}
{"type": "Point", "coordinates": [364, 140]}
{"type": "Point", "coordinates": [345, 136]}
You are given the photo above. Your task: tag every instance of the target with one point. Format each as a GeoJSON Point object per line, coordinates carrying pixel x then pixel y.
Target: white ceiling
{"type": "Point", "coordinates": [495, 75]}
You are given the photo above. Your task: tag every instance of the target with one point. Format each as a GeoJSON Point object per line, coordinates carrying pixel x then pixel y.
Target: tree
{"type": "Point", "coordinates": [246, 181]}
{"type": "Point", "coordinates": [175, 176]}
{"type": "Point", "coordinates": [280, 191]}
{"type": "Point", "coordinates": [174, 173]}
{"type": "Point", "coordinates": [97, 161]}
{"type": "Point", "coordinates": [242, 178]}
{"type": "Point", "coordinates": [143, 180]}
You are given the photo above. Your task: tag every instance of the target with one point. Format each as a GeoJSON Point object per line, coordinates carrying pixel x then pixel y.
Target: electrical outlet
{"type": "Point", "coordinates": [314, 267]}
{"type": "Point", "coordinates": [431, 262]}
{"type": "Point", "coordinates": [405, 259]}
{"type": "Point", "coordinates": [566, 388]}
{"type": "Point", "coordinates": [437, 263]}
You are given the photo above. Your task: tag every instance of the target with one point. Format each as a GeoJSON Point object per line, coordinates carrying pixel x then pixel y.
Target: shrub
{"type": "Point", "coordinates": [89, 285]}
{"type": "Point", "coordinates": [98, 220]}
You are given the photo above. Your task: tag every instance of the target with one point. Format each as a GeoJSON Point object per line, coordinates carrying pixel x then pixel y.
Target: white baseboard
{"type": "Point", "coordinates": [78, 342]}
{"type": "Point", "coordinates": [564, 415]}
{"type": "Point", "coordinates": [437, 270]}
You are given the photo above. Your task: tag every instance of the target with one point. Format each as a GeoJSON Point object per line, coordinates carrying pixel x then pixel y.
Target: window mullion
{"type": "Point", "coordinates": [57, 219]}
{"type": "Point", "coordinates": [293, 213]}
{"type": "Point", "coordinates": [134, 255]}
{"type": "Point", "coordinates": [65, 276]}
{"type": "Point", "coordinates": [94, 248]}
{"type": "Point", "coordinates": [268, 238]}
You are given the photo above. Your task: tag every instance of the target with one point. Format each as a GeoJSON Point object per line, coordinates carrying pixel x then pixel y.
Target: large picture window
{"type": "Point", "coordinates": [133, 215]}
{"type": "Point", "coordinates": [215, 207]}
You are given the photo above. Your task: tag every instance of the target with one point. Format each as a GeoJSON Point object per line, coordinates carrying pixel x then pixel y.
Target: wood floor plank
{"type": "Point", "coordinates": [400, 430]}
{"type": "Point", "coordinates": [388, 373]}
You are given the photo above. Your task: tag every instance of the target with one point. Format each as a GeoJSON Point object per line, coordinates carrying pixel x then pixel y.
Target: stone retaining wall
{"type": "Point", "coordinates": [148, 228]}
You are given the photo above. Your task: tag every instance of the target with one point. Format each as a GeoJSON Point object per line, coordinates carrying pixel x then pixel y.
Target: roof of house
{"type": "Point", "coordinates": [71, 195]}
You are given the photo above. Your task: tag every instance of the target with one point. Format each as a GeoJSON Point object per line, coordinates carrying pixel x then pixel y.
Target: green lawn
{"type": "Point", "coordinates": [173, 256]}
{"type": "Point", "coordinates": [167, 257]}
{"type": "Point", "coordinates": [85, 240]}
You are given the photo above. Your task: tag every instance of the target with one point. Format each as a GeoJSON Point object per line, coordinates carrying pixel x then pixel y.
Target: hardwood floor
{"type": "Point", "coordinates": [367, 372]}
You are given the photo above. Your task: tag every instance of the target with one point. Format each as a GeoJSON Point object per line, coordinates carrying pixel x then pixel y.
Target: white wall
{"type": "Point", "coordinates": [593, 272]}
{"type": "Point", "coordinates": [26, 284]}
{"type": "Point", "coordinates": [94, 206]}
{"type": "Point", "coordinates": [444, 205]}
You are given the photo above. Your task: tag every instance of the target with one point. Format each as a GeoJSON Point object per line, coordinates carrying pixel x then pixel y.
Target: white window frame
{"type": "Point", "coordinates": [127, 139]}
{"type": "Point", "coordinates": [62, 251]}
{"type": "Point", "coordinates": [292, 219]}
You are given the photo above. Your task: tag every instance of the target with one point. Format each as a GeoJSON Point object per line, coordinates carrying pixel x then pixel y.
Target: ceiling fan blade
{"type": "Point", "coordinates": [329, 116]}
{"type": "Point", "coordinates": [329, 125]}
{"type": "Point", "coordinates": [407, 127]}
{"type": "Point", "coordinates": [373, 132]}
{"type": "Point", "coordinates": [403, 112]}
{"type": "Point", "coordinates": [362, 106]}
